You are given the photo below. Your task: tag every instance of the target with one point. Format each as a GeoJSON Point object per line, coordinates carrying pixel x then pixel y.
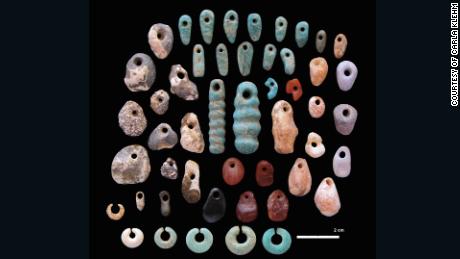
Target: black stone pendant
{"type": "Point", "coordinates": [214, 207]}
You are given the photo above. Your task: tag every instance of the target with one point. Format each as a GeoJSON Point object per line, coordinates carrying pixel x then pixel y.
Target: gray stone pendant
{"type": "Point", "coordinates": [231, 25]}
{"type": "Point", "coordinates": [287, 56]}
{"type": "Point", "coordinates": [185, 29]}
{"type": "Point", "coordinates": [269, 56]}
{"type": "Point", "coordinates": [254, 26]}
{"type": "Point", "coordinates": [342, 162]}
{"type": "Point", "coordinates": [140, 73]}
{"type": "Point", "coordinates": [198, 61]}
{"type": "Point", "coordinates": [280, 28]}
{"type": "Point", "coordinates": [301, 33]}
{"type": "Point", "coordinates": [181, 84]}
{"type": "Point", "coordinates": [169, 169]}
{"type": "Point", "coordinates": [216, 116]}
{"type": "Point", "coordinates": [207, 25]}
{"type": "Point", "coordinates": [159, 102]}
{"type": "Point", "coordinates": [161, 40]}
{"type": "Point", "coordinates": [131, 165]}
{"type": "Point", "coordinates": [345, 117]}
{"type": "Point", "coordinates": [222, 59]}
{"type": "Point", "coordinates": [320, 41]}
{"type": "Point", "coordinates": [131, 119]}
{"type": "Point", "coordinates": [245, 53]}
{"type": "Point", "coordinates": [162, 137]}
{"type": "Point", "coordinates": [346, 75]}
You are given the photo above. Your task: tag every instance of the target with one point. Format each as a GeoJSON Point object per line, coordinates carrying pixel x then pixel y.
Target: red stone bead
{"type": "Point", "coordinates": [232, 171]}
{"type": "Point", "coordinates": [277, 206]}
{"type": "Point", "coordinates": [295, 88]}
{"type": "Point", "coordinates": [246, 209]}
{"type": "Point", "coordinates": [264, 173]}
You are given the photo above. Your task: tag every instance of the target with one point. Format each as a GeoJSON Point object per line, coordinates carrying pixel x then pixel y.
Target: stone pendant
{"type": "Point", "coordinates": [345, 117]}
{"type": "Point", "coordinates": [327, 198]}
{"type": "Point", "coordinates": [246, 118]}
{"type": "Point", "coordinates": [340, 45]}
{"type": "Point", "coordinates": [272, 88]}
{"type": "Point", "coordinates": [264, 173]}
{"type": "Point", "coordinates": [316, 107]}
{"type": "Point", "coordinates": [207, 25]}
{"type": "Point", "coordinates": [185, 28]}
{"type": "Point", "coordinates": [131, 119]}
{"type": "Point", "coordinates": [140, 200]}
{"type": "Point", "coordinates": [159, 102]}
{"type": "Point", "coordinates": [284, 129]}
{"type": "Point", "coordinates": [294, 88]}
{"type": "Point", "coordinates": [346, 75]}
{"type": "Point", "coordinates": [181, 84]}
{"type": "Point", "coordinates": [287, 56]}
{"type": "Point", "coordinates": [216, 116]}
{"type": "Point", "coordinates": [165, 204]}
{"type": "Point", "coordinates": [280, 28]}
{"type": "Point", "coordinates": [161, 40]}
{"type": "Point", "coordinates": [301, 33]}
{"type": "Point", "coordinates": [342, 162]}
{"type": "Point", "coordinates": [222, 59]}
{"type": "Point", "coordinates": [245, 53]}
{"type": "Point", "coordinates": [318, 71]}
{"type": "Point", "coordinates": [215, 206]}
{"type": "Point", "coordinates": [254, 26]}
{"type": "Point", "coordinates": [232, 171]}
{"type": "Point", "coordinates": [320, 42]}
{"type": "Point", "coordinates": [246, 209]}
{"type": "Point", "coordinates": [269, 56]}
{"type": "Point", "coordinates": [231, 25]}
{"type": "Point", "coordinates": [131, 165]}
{"type": "Point", "coordinates": [198, 61]}
{"type": "Point", "coordinates": [162, 137]}
{"type": "Point", "coordinates": [191, 137]}
{"type": "Point", "coordinates": [314, 146]}
{"type": "Point", "coordinates": [277, 206]}
{"type": "Point", "coordinates": [299, 178]}
{"type": "Point", "coordinates": [191, 182]}
{"type": "Point", "coordinates": [169, 169]}
{"type": "Point", "coordinates": [140, 73]}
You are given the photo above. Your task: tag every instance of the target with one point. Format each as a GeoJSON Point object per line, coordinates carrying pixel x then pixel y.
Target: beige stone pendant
{"type": "Point", "coordinates": [191, 182]}
{"type": "Point", "coordinates": [314, 146]}
{"type": "Point", "coordinates": [284, 129]}
{"type": "Point", "coordinates": [191, 138]}
{"type": "Point", "coordinates": [327, 198]}
{"type": "Point", "coordinates": [299, 178]}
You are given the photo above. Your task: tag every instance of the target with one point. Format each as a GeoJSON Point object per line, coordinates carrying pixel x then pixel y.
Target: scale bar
{"type": "Point", "coordinates": [319, 237]}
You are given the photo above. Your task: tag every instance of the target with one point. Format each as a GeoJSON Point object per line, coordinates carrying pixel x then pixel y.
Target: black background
{"type": "Point", "coordinates": [120, 32]}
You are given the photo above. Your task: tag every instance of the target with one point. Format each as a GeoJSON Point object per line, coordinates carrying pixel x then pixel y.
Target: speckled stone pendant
{"type": "Point", "coordinates": [301, 33]}
{"type": "Point", "coordinates": [320, 42]}
{"type": "Point", "coordinates": [316, 107]}
{"type": "Point", "coordinates": [207, 25]}
{"type": "Point", "coordinates": [232, 171]}
{"type": "Point", "coordinates": [299, 178]}
{"type": "Point", "coordinates": [191, 182]}
{"type": "Point", "coordinates": [269, 56]}
{"type": "Point", "coordinates": [284, 129]}
{"type": "Point", "coordinates": [185, 28]}
{"type": "Point", "coordinates": [191, 137]}
{"type": "Point", "coordinates": [162, 137]}
{"type": "Point", "coordinates": [131, 165]}
{"type": "Point", "coordinates": [165, 205]}
{"type": "Point", "coordinates": [231, 25]}
{"type": "Point", "coordinates": [159, 102]}
{"type": "Point", "coordinates": [245, 53]}
{"type": "Point", "coordinates": [181, 84]}
{"type": "Point", "coordinates": [342, 162]}
{"type": "Point", "coordinates": [222, 59]}
{"type": "Point", "coordinates": [254, 26]}
{"type": "Point", "coordinates": [314, 146]}
{"type": "Point", "coordinates": [318, 71]}
{"type": "Point", "coordinates": [198, 61]}
{"type": "Point", "coordinates": [140, 73]}
{"type": "Point", "coordinates": [131, 119]}
{"type": "Point", "coordinates": [346, 75]}
{"type": "Point", "coordinates": [215, 206]}
{"type": "Point", "coordinates": [287, 56]}
{"type": "Point", "coordinates": [273, 88]}
{"type": "Point", "coordinates": [169, 169]}
{"type": "Point", "coordinates": [246, 209]}
{"type": "Point", "coordinates": [264, 173]}
{"type": "Point", "coordinates": [327, 198]}
{"type": "Point", "coordinates": [294, 88]}
{"type": "Point", "coordinates": [246, 118]}
{"type": "Point", "coordinates": [161, 40]}
{"type": "Point", "coordinates": [277, 206]}
{"type": "Point", "coordinates": [280, 28]}
{"type": "Point", "coordinates": [345, 117]}
{"type": "Point", "coordinates": [340, 45]}
{"type": "Point", "coordinates": [216, 116]}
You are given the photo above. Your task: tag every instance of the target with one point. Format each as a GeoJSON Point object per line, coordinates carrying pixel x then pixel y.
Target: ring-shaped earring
{"type": "Point", "coordinates": [165, 244]}
{"type": "Point", "coordinates": [199, 246]}
{"type": "Point", "coordinates": [280, 248]}
{"type": "Point", "coordinates": [132, 242]}
{"type": "Point", "coordinates": [240, 248]}
{"type": "Point", "coordinates": [115, 216]}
